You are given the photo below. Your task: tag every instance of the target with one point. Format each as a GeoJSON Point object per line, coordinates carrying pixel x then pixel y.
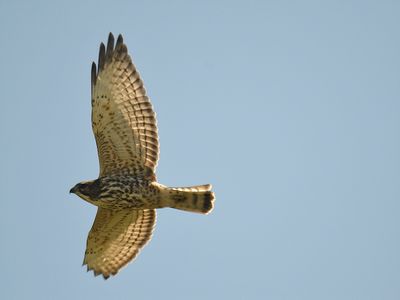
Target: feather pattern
{"type": "Point", "coordinates": [126, 192]}
{"type": "Point", "coordinates": [116, 238]}
{"type": "Point", "coordinates": [123, 120]}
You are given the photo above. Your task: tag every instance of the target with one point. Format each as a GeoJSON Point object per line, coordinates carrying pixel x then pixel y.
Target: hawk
{"type": "Point", "coordinates": [126, 191]}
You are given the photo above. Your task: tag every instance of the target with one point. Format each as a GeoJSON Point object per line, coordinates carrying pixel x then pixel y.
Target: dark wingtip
{"type": "Point", "coordinates": [105, 55]}
{"type": "Point", "coordinates": [102, 54]}
{"type": "Point", "coordinates": [110, 46]}
{"type": "Point", "coordinates": [110, 36]}
{"type": "Point", "coordinates": [93, 73]}
{"type": "Point", "coordinates": [120, 40]}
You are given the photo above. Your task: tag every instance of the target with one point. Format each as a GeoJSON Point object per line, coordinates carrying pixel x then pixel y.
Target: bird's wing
{"type": "Point", "coordinates": [116, 238]}
{"type": "Point", "coordinates": [123, 120]}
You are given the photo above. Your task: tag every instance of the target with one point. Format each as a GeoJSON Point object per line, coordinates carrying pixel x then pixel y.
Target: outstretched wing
{"type": "Point", "coordinates": [116, 238]}
{"type": "Point", "coordinates": [123, 120]}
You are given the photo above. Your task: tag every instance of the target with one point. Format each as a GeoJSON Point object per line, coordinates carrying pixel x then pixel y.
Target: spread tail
{"type": "Point", "coordinates": [197, 199]}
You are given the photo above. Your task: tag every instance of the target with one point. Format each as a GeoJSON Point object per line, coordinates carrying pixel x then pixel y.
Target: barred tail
{"type": "Point", "coordinates": [197, 199]}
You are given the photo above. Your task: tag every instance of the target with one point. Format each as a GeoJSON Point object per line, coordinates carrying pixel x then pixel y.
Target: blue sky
{"type": "Point", "coordinates": [289, 108]}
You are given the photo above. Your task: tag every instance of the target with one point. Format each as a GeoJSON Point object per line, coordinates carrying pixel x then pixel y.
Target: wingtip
{"type": "Point", "coordinates": [110, 36]}
{"type": "Point", "coordinates": [102, 46]}
{"type": "Point", "coordinates": [110, 46]}
{"type": "Point", "coordinates": [120, 40]}
{"type": "Point", "coordinates": [93, 73]}
{"type": "Point", "coordinates": [96, 273]}
{"type": "Point", "coordinates": [102, 54]}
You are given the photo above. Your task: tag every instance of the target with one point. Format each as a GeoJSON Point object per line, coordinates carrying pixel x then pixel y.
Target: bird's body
{"type": "Point", "coordinates": [131, 192]}
{"type": "Point", "coordinates": [121, 191]}
{"type": "Point", "coordinates": [126, 192]}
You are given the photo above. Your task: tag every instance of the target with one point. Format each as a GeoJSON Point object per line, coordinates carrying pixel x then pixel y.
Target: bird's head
{"type": "Point", "coordinates": [87, 190]}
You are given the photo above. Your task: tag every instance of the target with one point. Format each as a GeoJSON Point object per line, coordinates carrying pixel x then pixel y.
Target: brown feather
{"type": "Point", "coordinates": [124, 122]}
{"type": "Point", "coordinates": [116, 238]}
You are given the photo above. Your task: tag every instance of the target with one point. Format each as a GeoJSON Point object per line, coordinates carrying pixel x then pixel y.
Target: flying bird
{"type": "Point", "coordinates": [126, 191]}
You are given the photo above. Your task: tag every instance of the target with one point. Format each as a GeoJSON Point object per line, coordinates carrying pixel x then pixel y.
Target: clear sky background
{"type": "Point", "coordinates": [289, 108]}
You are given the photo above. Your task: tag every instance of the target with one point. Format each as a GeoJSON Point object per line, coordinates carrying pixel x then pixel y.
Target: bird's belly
{"type": "Point", "coordinates": [132, 201]}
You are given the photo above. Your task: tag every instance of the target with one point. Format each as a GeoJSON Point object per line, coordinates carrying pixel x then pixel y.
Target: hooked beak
{"type": "Point", "coordinates": [73, 190]}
